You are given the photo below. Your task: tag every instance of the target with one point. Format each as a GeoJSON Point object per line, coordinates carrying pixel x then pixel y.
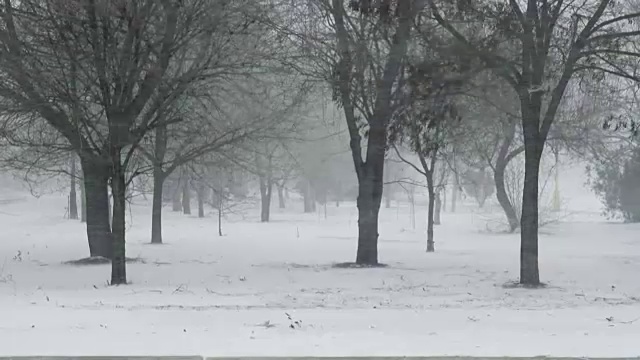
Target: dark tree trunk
{"type": "Point", "coordinates": [96, 184]}
{"type": "Point", "coordinates": [529, 272]}
{"type": "Point", "coordinates": [370, 170]}
{"type": "Point", "coordinates": [73, 201]}
{"type": "Point", "coordinates": [281, 198]}
{"type": "Point", "coordinates": [370, 188]}
{"type": "Point", "coordinates": [83, 202]}
{"type": "Point", "coordinates": [186, 198]}
{"type": "Point", "coordinates": [368, 210]}
{"type": "Point", "coordinates": [156, 213]}
{"type": "Point", "coordinates": [438, 209]}
{"type": "Point", "coordinates": [201, 192]}
{"type": "Point", "coordinates": [533, 146]}
{"type": "Point", "coordinates": [431, 208]}
{"type": "Point", "coordinates": [73, 198]}
{"type": "Point", "coordinates": [266, 187]}
{"type": "Point", "coordinates": [118, 189]}
{"type": "Point", "coordinates": [220, 209]}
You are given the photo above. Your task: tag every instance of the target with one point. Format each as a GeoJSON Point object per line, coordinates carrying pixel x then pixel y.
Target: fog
{"type": "Point", "coordinates": [319, 178]}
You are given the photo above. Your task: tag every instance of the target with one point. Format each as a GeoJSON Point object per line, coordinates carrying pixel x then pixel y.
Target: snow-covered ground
{"type": "Point", "coordinates": [270, 289]}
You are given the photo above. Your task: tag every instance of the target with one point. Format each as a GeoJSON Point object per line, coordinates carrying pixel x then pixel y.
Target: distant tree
{"type": "Point", "coordinates": [616, 180]}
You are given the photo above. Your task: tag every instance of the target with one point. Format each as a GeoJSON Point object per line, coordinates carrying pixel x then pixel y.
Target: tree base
{"type": "Point", "coordinates": [99, 260]}
{"type": "Point", "coordinates": [518, 285]}
{"type": "Point", "coordinates": [352, 265]}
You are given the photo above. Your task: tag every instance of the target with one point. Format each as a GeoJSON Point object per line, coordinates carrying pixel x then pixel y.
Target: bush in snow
{"type": "Point", "coordinates": [617, 183]}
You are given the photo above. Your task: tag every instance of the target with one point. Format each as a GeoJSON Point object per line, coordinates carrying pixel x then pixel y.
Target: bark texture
{"type": "Point", "coordinates": [118, 189]}
{"type": "Point", "coordinates": [431, 209]}
{"type": "Point", "coordinates": [156, 209]}
{"type": "Point", "coordinates": [96, 185]}
{"type": "Point", "coordinates": [73, 198]}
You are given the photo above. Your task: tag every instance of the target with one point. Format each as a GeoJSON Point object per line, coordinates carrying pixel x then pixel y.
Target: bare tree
{"type": "Point", "coordinates": [129, 61]}
{"type": "Point", "coordinates": [360, 52]}
{"type": "Point", "coordinates": [549, 42]}
{"type": "Point", "coordinates": [209, 123]}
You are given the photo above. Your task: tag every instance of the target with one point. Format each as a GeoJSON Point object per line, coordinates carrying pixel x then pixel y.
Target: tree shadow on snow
{"type": "Point", "coordinates": [518, 285]}
{"type": "Point", "coordinates": [352, 265]}
{"type": "Point", "coordinates": [99, 260]}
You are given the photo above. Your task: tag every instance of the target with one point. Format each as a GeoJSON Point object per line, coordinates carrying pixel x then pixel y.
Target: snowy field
{"type": "Point", "coordinates": [270, 289]}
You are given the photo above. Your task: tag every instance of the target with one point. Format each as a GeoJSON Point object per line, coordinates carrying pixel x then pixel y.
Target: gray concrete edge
{"type": "Point", "coordinates": [304, 358]}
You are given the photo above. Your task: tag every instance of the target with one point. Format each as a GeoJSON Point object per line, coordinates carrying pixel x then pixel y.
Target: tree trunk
{"type": "Point", "coordinates": [444, 199]}
{"type": "Point", "coordinates": [186, 198]}
{"type": "Point", "coordinates": [118, 189]}
{"type": "Point", "coordinates": [176, 201]}
{"type": "Point", "coordinates": [156, 212]}
{"type": "Point", "coordinates": [201, 192]}
{"type": "Point", "coordinates": [83, 202]}
{"type": "Point", "coordinates": [96, 184]}
{"type": "Point", "coordinates": [502, 161]}
{"type": "Point", "coordinates": [454, 192]}
{"type": "Point", "coordinates": [431, 208]}
{"type": "Point", "coordinates": [438, 209]}
{"type": "Point", "coordinates": [370, 189]}
{"type": "Point", "coordinates": [370, 170]}
{"type": "Point", "coordinates": [281, 198]}
{"type": "Point", "coordinates": [529, 272]}
{"type": "Point", "coordinates": [266, 187]}
{"type": "Point", "coordinates": [73, 199]}
{"type": "Point", "coordinates": [503, 197]}
{"type": "Point", "coordinates": [368, 210]}
{"type": "Point", "coordinates": [308, 197]}
{"type": "Point", "coordinates": [220, 209]}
